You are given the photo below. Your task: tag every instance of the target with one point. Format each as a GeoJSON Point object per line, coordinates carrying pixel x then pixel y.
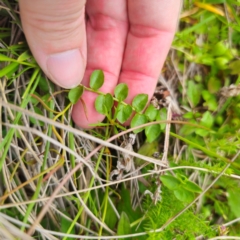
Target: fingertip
{"type": "Point", "coordinates": [66, 68]}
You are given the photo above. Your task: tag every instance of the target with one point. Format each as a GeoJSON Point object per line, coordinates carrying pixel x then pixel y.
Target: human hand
{"type": "Point", "coordinates": [127, 39]}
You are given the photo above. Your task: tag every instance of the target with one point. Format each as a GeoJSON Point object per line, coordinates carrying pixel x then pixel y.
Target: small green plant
{"type": "Point", "coordinates": [164, 195]}
{"type": "Point", "coordinates": [122, 111]}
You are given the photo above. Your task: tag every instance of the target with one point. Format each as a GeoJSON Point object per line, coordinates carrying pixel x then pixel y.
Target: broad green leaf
{"type": "Point", "coordinates": [184, 195]}
{"type": "Point", "coordinates": [188, 115]}
{"type": "Point", "coordinates": [75, 94]}
{"type": "Point", "coordinates": [96, 79]}
{"type": "Point", "coordinates": [202, 132]}
{"type": "Point", "coordinates": [147, 149]}
{"type": "Point", "coordinates": [170, 182]}
{"type": "Point", "coordinates": [221, 62]}
{"type": "Point", "coordinates": [123, 112]}
{"type": "Point", "coordinates": [108, 101]}
{"type": "Point", "coordinates": [152, 132]}
{"type": "Point", "coordinates": [151, 112]}
{"type": "Point", "coordinates": [121, 91]}
{"type": "Point", "coordinates": [207, 120]}
{"type": "Point", "coordinates": [219, 49]}
{"type": "Point", "coordinates": [44, 85]}
{"type": "Point", "coordinates": [194, 92]}
{"type": "Point", "coordinates": [104, 103]}
{"type": "Point", "coordinates": [9, 70]}
{"type": "Point", "coordinates": [210, 99]}
{"type": "Point", "coordinates": [111, 217]}
{"type": "Point", "coordinates": [182, 178]}
{"type": "Point", "coordinates": [123, 225]}
{"type": "Point", "coordinates": [139, 102]}
{"type": "Point", "coordinates": [233, 201]}
{"type": "Point", "coordinates": [192, 187]}
{"type": "Point", "coordinates": [137, 120]}
{"type": "Point", "coordinates": [162, 115]}
{"type": "Point", "coordinates": [100, 103]}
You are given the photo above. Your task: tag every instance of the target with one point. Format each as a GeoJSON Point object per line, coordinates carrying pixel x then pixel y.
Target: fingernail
{"type": "Point", "coordinates": [66, 68]}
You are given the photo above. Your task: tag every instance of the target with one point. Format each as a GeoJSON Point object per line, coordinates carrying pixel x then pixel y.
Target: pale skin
{"type": "Point", "coordinates": [127, 39]}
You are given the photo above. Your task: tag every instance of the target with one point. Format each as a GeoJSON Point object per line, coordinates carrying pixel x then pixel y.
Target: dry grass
{"type": "Point", "coordinates": [53, 175]}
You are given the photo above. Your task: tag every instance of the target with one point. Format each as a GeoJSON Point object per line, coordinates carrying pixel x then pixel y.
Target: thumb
{"type": "Point", "coordinates": [55, 31]}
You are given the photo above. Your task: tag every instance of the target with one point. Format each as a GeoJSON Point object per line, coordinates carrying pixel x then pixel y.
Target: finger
{"type": "Point", "coordinates": [107, 27]}
{"type": "Point", "coordinates": [55, 31]}
{"type": "Point", "coordinates": [152, 27]}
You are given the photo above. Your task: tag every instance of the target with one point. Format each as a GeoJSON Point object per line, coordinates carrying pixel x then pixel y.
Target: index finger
{"type": "Point", "coordinates": [152, 27]}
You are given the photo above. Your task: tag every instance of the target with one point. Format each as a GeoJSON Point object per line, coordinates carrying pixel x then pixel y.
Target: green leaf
{"type": "Point", "coordinates": [194, 92]}
{"type": "Point", "coordinates": [4, 58]}
{"type": "Point", "coordinates": [111, 217]}
{"type": "Point", "coordinates": [121, 91]}
{"type": "Point", "coordinates": [152, 132]}
{"type": "Point", "coordinates": [184, 195]}
{"type": "Point", "coordinates": [75, 94]}
{"type": "Point", "coordinates": [192, 187]}
{"type": "Point", "coordinates": [162, 115]}
{"type": "Point", "coordinates": [147, 149]}
{"type": "Point", "coordinates": [233, 201]}
{"type": "Point", "coordinates": [9, 70]}
{"type": "Point", "coordinates": [100, 103]}
{"type": "Point", "coordinates": [108, 101]}
{"type": "Point", "coordinates": [96, 79]}
{"type": "Point", "coordinates": [66, 224]}
{"type": "Point", "coordinates": [182, 178]}
{"type": "Point", "coordinates": [104, 103]}
{"type": "Point", "coordinates": [123, 225]}
{"type": "Point", "coordinates": [151, 112]}
{"type": "Point", "coordinates": [219, 49]}
{"type": "Point", "coordinates": [170, 182]}
{"type": "Point", "coordinates": [123, 112]}
{"type": "Point", "coordinates": [44, 85]}
{"type": "Point", "coordinates": [24, 56]}
{"type": "Point", "coordinates": [139, 102]}
{"type": "Point", "coordinates": [207, 119]}
{"type": "Point", "coordinates": [137, 120]}
{"type": "Point", "coordinates": [202, 132]}
{"type": "Point", "coordinates": [210, 99]}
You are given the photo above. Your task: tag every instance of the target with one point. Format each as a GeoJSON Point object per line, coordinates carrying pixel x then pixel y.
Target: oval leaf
{"type": "Point", "coordinates": [194, 92]}
{"type": "Point", "coordinates": [151, 112]}
{"type": "Point", "coordinates": [108, 101]}
{"type": "Point", "coordinates": [184, 195]}
{"type": "Point", "coordinates": [121, 91]}
{"type": "Point", "coordinates": [137, 120]}
{"type": "Point", "coordinates": [123, 112]}
{"type": "Point", "coordinates": [139, 102]}
{"type": "Point", "coordinates": [99, 104]}
{"type": "Point", "coordinates": [192, 187]}
{"type": "Point", "coordinates": [123, 225]}
{"type": "Point", "coordinates": [104, 103]}
{"type": "Point", "coordinates": [75, 94]}
{"type": "Point", "coordinates": [162, 115]}
{"type": "Point", "coordinates": [96, 79]}
{"type": "Point", "coordinates": [170, 182]}
{"type": "Point", "coordinates": [207, 119]}
{"type": "Point", "coordinates": [152, 132]}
